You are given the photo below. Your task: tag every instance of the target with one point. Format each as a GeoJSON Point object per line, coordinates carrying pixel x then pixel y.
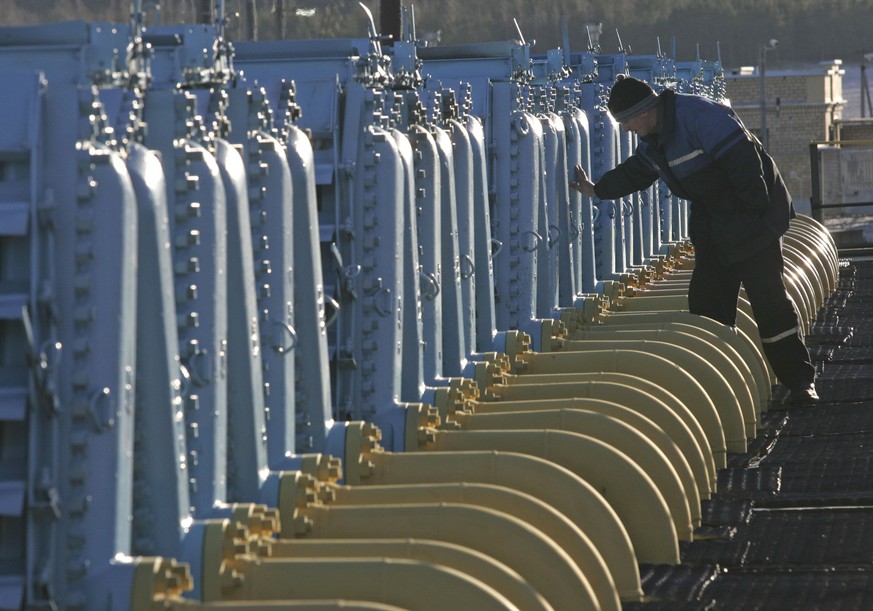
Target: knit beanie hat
{"type": "Point", "coordinates": [630, 97]}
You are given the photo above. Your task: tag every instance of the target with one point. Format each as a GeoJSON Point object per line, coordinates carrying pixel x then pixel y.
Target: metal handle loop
{"type": "Point", "coordinates": [284, 328]}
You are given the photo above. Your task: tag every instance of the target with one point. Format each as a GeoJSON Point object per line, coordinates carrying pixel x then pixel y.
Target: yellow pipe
{"type": "Point", "coordinates": [522, 548]}
{"type": "Point", "coordinates": [616, 399]}
{"type": "Point", "coordinates": [460, 558]}
{"type": "Point", "coordinates": [555, 486]}
{"type": "Point", "coordinates": [810, 274]}
{"type": "Point", "coordinates": [671, 474]}
{"type": "Point", "coordinates": [818, 244]}
{"type": "Point", "coordinates": [817, 235]}
{"type": "Point", "coordinates": [310, 605]}
{"type": "Point", "coordinates": [800, 255]}
{"type": "Point", "coordinates": [813, 240]}
{"type": "Point", "coordinates": [796, 241]}
{"type": "Point", "coordinates": [325, 605]}
{"type": "Point", "coordinates": [672, 377]}
{"type": "Point", "coordinates": [822, 246]}
{"type": "Point", "coordinates": [320, 604]}
{"type": "Point", "coordinates": [696, 339]}
{"type": "Point", "coordinates": [677, 281]}
{"type": "Point", "coordinates": [626, 487]}
{"type": "Point", "coordinates": [158, 583]}
{"type": "Point", "coordinates": [795, 287]}
{"type": "Point", "coordinates": [742, 352]}
{"type": "Point", "coordinates": [746, 322]}
{"type": "Point", "coordinates": [746, 327]}
{"type": "Point", "coordinates": [230, 574]}
{"type": "Point", "coordinates": [679, 274]}
{"type": "Point", "coordinates": [657, 290]}
{"type": "Point", "coordinates": [564, 385]}
{"type": "Point", "coordinates": [719, 375]}
{"type": "Point", "coordinates": [526, 508]}
{"type": "Point", "coordinates": [696, 476]}
{"type": "Point", "coordinates": [680, 303]}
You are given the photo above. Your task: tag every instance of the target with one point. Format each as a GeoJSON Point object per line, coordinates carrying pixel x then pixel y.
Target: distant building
{"type": "Point", "coordinates": [802, 105]}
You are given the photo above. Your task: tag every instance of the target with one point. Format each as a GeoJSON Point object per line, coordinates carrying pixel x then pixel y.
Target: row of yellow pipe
{"type": "Point", "coordinates": [541, 484]}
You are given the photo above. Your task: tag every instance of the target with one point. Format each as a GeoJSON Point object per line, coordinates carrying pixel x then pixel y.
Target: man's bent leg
{"type": "Point", "coordinates": [714, 289]}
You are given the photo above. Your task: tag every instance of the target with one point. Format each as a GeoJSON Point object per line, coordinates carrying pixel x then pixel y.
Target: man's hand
{"type": "Point", "coordinates": [582, 183]}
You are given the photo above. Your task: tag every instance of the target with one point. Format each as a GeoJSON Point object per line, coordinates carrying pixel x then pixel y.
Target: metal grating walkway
{"type": "Point", "coordinates": [792, 524]}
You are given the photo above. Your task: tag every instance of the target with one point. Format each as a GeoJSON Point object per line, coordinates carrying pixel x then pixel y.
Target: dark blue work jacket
{"type": "Point", "coordinates": [703, 152]}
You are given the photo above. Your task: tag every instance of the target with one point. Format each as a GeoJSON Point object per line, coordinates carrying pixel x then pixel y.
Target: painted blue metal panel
{"type": "Point", "coordinates": [161, 500]}
{"type": "Point", "coordinates": [11, 591]}
{"type": "Point", "coordinates": [486, 318]}
{"type": "Point", "coordinates": [580, 231]}
{"type": "Point", "coordinates": [464, 169]}
{"type": "Point", "coordinates": [195, 194]}
{"type": "Point", "coordinates": [81, 262]}
{"type": "Point", "coordinates": [428, 189]}
{"type": "Point", "coordinates": [558, 253]}
{"type": "Point", "coordinates": [268, 231]}
{"type": "Point", "coordinates": [313, 394]}
{"type": "Point", "coordinates": [454, 349]}
{"type": "Point", "coordinates": [517, 137]}
{"type": "Point", "coordinates": [100, 374]}
{"type": "Point", "coordinates": [409, 113]}
{"type": "Point", "coordinates": [246, 426]}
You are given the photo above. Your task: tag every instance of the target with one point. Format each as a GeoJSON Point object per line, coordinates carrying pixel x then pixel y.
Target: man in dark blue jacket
{"type": "Point", "coordinates": [740, 208]}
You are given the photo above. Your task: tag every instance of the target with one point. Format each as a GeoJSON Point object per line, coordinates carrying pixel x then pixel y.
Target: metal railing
{"type": "Point", "coordinates": [842, 191]}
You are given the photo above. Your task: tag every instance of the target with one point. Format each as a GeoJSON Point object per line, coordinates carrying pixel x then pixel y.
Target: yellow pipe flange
{"type": "Point", "coordinates": [715, 371]}
{"type": "Point", "coordinates": [626, 487]}
{"type": "Point", "coordinates": [157, 581]}
{"type": "Point", "coordinates": [554, 485]}
{"type": "Point", "coordinates": [522, 548]}
{"type": "Point", "coordinates": [461, 558]}
{"type": "Point", "coordinates": [642, 441]}
{"type": "Point", "coordinates": [672, 377]}
{"type": "Point", "coordinates": [616, 399]}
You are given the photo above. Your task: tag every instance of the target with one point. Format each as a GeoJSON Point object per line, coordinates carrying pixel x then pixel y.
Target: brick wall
{"type": "Point", "coordinates": [801, 107]}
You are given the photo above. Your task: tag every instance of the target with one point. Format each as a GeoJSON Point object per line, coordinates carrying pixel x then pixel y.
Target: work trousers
{"type": "Point", "coordinates": [714, 291]}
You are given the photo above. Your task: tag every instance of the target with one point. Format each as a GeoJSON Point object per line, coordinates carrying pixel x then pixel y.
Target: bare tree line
{"type": "Point", "coordinates": [808, 30]}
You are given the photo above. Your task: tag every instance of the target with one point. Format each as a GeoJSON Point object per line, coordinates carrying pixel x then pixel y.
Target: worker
{"type": "Point", "coordinates": [740, 208]}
